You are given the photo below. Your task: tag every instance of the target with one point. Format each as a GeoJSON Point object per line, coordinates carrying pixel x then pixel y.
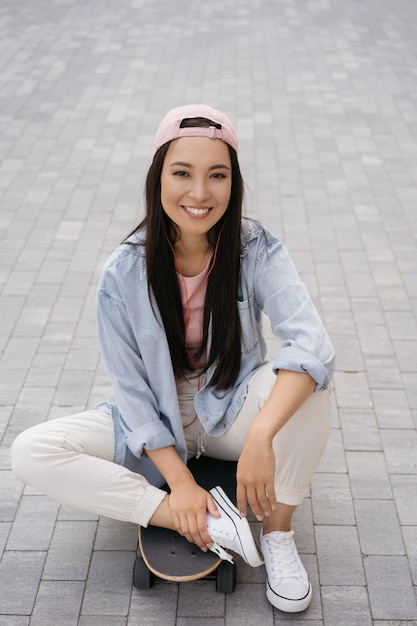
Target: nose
{"type": "Point", "coordinates": [200, 190]}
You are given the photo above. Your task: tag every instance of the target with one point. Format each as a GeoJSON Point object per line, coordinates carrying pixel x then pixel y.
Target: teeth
{"type": "Point", "coordinates": [195, 211]}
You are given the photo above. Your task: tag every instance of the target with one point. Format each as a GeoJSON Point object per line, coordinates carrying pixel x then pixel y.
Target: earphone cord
{"type": "Point", "coordinates": [203, 284]}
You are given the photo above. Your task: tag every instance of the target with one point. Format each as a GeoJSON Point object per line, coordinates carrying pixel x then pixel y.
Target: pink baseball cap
{"type": "Point", "coordinates": [170, 127]}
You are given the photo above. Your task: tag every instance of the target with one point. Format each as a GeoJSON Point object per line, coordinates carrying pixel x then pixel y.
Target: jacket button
{"type": "Point", "coordinates": [205, 418]}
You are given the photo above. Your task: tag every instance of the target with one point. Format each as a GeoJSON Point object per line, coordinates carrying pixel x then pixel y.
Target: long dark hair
{"type": "Point", "coordinates": [221, 318]}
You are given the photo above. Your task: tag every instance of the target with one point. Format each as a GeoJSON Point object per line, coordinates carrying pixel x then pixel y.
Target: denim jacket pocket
{"type": "Point", "coordinates": [249, 325]}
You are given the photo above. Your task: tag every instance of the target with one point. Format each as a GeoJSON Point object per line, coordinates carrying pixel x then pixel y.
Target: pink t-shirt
{"type": "Point", "coordinates": [193, 294]}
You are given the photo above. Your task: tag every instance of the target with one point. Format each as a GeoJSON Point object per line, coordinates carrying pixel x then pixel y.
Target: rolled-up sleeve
{"type": "Point", "coordinates": [284, 298]}
{"type": "Point", "coordinates": [140, 419]}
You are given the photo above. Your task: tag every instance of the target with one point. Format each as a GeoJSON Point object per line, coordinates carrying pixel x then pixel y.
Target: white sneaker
{"type": "Point", "coordinates": [287, 584]}
{"type": "Point", "coordinates": [231, 531]}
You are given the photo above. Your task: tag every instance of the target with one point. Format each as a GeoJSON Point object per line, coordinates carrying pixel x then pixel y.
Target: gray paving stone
{"type": "Point", "coordinates": [33, 400]}
{"type": "Point", "coordinates": [405, 353]}
{"type": "Point", "coordinates": [5, 412]}
{"type": "Point", "coordinates": [57, 338]}
{"type": "Point", "coordinates": [394, 622]}
{"type": "Point", "coordinates": [400, 447]}
{"type": "Point", "coordinates": [10, 493]}
{"type": "Point", "coordinates": [299, 619]}
{"type": "Point", "coordinates": [73, 388]}
{"type": "Point", "coordinates": [19, 353]}
{"type": "Point", "coordinates": [109, 584]}
{"type": "Point", "coordinates": [360, 430]}
{"type": "Point", "coordinates": [34, 524]}
{"type": "Point", "coordinates": [391, 593]}
{"type": "Point", "coordinates": [67, 310]}
{"type": "Point", "coordinates": [368, 475]}
{"type": "Point", "coordinates": [332, 500]}
{"type": "Point", "coordinates": [382, 373]}
{"type": "Point", "coordinates": [32, 321]}
{"type": "Point", "coordinates": [378, 527]}
{"type": "Point", "coordinates": [405, 488]}
{"type": "Point", "coordinates": [114, 535]}
{"type": "Point", "coordinates": [45, 370]}
{"type": "Point", "coordinates": [394, 298]}
{"type": "Point", "coordinates": [411, 389]}
{"type": "Point", "coordinates": [374, 340]}
{"type": "Point", "coordinates": [192, 621]}
{"type": "Point", "coordinates": [410, 539]}
{"type": "Point", "coordinates": [57, 602]}
{"type": "Point", "coordinates": [70, 551]}
{"type": "Point", "coordinates": [20, 574]}
{"type": "Point", "coordinates": [248, 604]}
{"type": "Point", "coordinates": [346, 606]}
{"type": "Point", "coordinates": [339, 556]}
{"type": "Point", "coordinates": [83, 358]}
{"type": "Point", "coordinates": [19, 283]}
{"type": "Point", "coordinates": [10, 384]}
{"type": "Point", "coordinates": [367, 310]}
{"type": "Point", "coordinates": [205, 607]}
{"type": "Point", "coordinates": [10, 311]}
{"type": "Point", "coordinates": [303, 528]}
{"type": "Point", "coordinates": [4, 532]}
{"type": "Point", "coordinates": [153, 606]}
{"type": "Point", "coordinates": [352, 390]}
{"type": "Point", "coordinates": [401, 325]}
{"type": "Point", "coordinates": [103, 620]}
{"type": "Point", "coordinates": [392, 408]}
{"type": "Point", "coordinates": [14, 620]}
{"type": "Point", "coordinates": [349, 348]}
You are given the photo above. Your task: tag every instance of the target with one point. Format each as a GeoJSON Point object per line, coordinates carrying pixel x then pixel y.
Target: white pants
{"type": "Point", "coordinates": [71, 458]}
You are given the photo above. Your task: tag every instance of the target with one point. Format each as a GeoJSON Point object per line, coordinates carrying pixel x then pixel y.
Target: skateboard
{"type": "Point", "coordinates": [165, 554]}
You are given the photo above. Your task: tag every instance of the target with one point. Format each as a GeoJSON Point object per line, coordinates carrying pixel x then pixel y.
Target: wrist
{"type": "Point", "coordinates": [171, 466]}
{"type": "Point", "coordinates": [261, 433]}
{"type": "Point", "coordinates": [180, 478]}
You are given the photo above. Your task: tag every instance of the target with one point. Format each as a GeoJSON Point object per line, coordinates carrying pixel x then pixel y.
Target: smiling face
{"type": "Point", "coordinates": [196, 182]}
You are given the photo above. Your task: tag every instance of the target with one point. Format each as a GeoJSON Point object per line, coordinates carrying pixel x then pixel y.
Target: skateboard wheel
{"type": "Point", "coordinates": [143, 578]}
{"type": "Point", "coordinates": [226, 577]}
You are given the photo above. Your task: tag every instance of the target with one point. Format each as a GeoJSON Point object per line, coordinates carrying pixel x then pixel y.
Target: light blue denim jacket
{"type": "Point", "coordinates": [135, 351]}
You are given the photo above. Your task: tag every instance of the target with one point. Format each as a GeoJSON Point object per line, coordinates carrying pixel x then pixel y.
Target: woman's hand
{"type": "Point", "coordinates": [256, 467]}
{"type": "Point", "coordinates": [255, 477]}
{"type": "Point", "coordinates": [189, 503]}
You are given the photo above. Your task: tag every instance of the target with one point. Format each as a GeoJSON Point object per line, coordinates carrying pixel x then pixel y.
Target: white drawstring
{"type": "Point", "coordinates": [200, 444]}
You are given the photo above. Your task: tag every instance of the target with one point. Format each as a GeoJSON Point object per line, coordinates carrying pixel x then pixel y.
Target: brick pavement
{"type": "Point", "coordinates": [323, 94]}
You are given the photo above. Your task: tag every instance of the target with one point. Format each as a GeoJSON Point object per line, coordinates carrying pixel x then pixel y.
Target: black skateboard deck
{"type": "Point", "coordinates": [166, 554]}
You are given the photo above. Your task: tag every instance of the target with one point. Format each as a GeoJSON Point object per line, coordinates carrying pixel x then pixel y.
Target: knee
{"type": "Point", "coordinates": [23, 455]}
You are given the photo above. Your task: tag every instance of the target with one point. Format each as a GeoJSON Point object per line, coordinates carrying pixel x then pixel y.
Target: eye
{"type": "Point", "coordinates": [180, 173]}
{"type": "Point", "coordinates": [218, 175]}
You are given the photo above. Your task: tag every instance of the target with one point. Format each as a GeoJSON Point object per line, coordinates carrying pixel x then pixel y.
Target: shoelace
{"type": "Point", "coordinates": [219, 536]}
{"type": "Point", "coordinates": [221, 553]}
{"type": "Point", "coordinates": [284, 561]}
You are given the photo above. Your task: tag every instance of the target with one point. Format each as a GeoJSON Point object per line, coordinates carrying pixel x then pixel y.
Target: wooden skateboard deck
{"type": "Point", "coordinates": [166, 554]}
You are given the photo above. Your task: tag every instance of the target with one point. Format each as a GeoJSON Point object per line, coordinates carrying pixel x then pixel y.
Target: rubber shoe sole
{"type": "Point", "coordinates": [287, 604]}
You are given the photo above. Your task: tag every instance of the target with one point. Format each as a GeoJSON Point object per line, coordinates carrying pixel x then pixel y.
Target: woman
{"type": "Point", "coordinates": [179, 323]}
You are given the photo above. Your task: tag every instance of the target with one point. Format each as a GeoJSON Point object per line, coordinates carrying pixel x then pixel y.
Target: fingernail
{"type": "Point", "coordinates": [259, 518]}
